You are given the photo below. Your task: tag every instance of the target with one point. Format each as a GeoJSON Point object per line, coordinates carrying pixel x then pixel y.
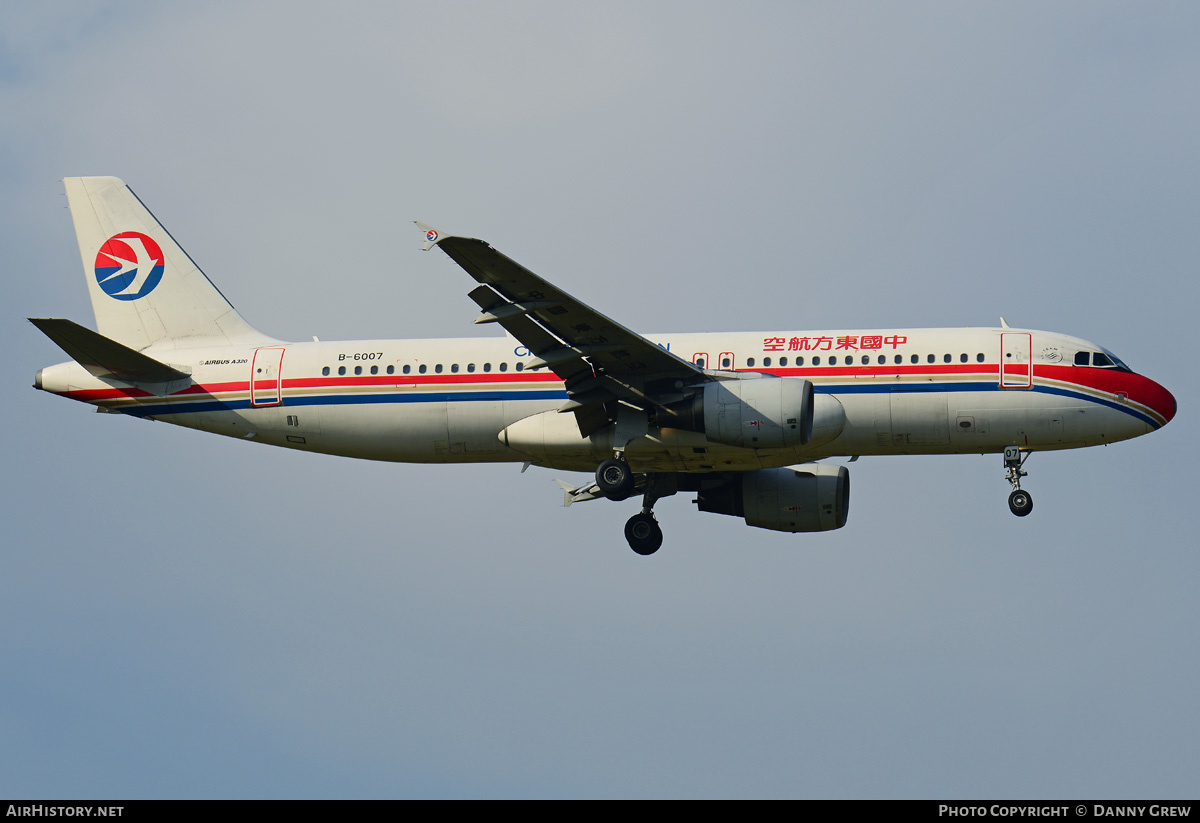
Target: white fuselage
{"type": "Point", "coordinates": [900, 391]}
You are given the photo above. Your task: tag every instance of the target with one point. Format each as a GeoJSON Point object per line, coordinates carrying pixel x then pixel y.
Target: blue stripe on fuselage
{"type": "Point", "coordinates": [346, 400]}
{"type": "Point", "coordinates": [183, 407]}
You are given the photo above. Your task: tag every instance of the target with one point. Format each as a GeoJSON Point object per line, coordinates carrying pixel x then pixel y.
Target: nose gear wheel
{"type": "Point", "coordinates": [1020, 503]}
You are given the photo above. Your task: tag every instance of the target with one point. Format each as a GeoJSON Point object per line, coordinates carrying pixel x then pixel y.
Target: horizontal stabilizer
{"type": "Point", "coordinates": [103, 357]}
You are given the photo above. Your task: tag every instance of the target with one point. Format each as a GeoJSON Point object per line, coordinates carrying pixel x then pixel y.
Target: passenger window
{"type": "Point", "coordinates": [882, 359]}
{"type": "Point", "coordinates": [487, 367]}
{"type": "Point", "coordinates": [470, 368]}
{"type": "Point", "coordinates": [374, 370]}
{"type": "Point", "coordinates": [899, 359]}
{"type": "Point", "coordinates": [962, 358]}
{"type": "Point", "coordinates": [699, 362]}
{"type": "Point", "coordinates": [930, 358]}
{"type": "Point", "coordinates": [438, 368]}
{"type": "Point", "coordinates": [799, 361]}
{"type": "Point", "coordinates": [816, 361]}
{"type": "Point", "coordinates": [945, 358]}
{"type": "Point", "coordinates": [358, 369]}
{"type": "Point", "coordinates": [916, 358]}
{"type": "Point", "coordinates": [454, 369]}
{"type": "Point", "coordinates": [391, 369]}
{"type": "Point", "coordinates": [749, 362]}
{"type": "Point", "coordinates": [407, 369]}
{"type": "Point", "coordinates": [783, 361]}
{"type": "Point", "coordinates": [423, 368]}
{"type": "Point", "coordinates": [325, 371]}
{"type": "Point", "coordinates": [503, 367]}
{"type": "Point", "coordinates": [341, 369]}
{"type": "Point", "coordinates": [979, 358]}
{"type": "Point", "coordinates": [866, 360]}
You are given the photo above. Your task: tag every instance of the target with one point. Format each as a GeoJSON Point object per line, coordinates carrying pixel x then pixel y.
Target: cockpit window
{"type": "Point", "coordinates": [1116, 361]}
{"type": "Point", "coordinates": [1102, 360]}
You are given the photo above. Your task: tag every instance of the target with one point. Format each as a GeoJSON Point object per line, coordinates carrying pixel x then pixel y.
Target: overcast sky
{"type": "Point", "coordinates": [183, 615]}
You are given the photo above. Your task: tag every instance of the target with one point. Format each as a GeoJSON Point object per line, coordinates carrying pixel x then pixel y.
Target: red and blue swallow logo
{"type": "Point", "coordinates": [431, 236]}
{"type": "Point", "coordinates": [129, 265]}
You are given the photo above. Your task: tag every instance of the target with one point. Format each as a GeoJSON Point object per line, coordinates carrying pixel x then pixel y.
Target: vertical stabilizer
{"type": "Point", "coordinates": [145, 289]}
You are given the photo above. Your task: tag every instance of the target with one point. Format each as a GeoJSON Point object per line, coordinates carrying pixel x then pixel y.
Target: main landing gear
{"type": "Point", "coordinates": [617, 482]}
{"type": "Point", "coordinates": [615, 478]}
{"type": "Point", "coordinates": [1020, 502]}
{"type": "Point", "coordinates": [643, 533]}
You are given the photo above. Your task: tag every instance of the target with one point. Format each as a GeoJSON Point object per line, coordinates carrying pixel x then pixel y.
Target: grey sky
{"type": "Point", "coordinates": [183, 615]}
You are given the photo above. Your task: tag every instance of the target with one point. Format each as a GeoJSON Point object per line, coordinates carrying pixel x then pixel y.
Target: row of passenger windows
{"type": "Point", "coordinates": [726, 363]}
{"type": "Point", "coordinates": [848, 360]}
{"type": "Point", "coordinates": [422, 369]}
{"type": "Point", "coordinates": [1082, 358]}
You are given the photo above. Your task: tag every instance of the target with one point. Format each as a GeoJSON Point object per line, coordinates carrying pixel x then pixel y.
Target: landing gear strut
{"type": "Point", "coordinates": [1020, 502]}
{"type": "Point", "coordinates": [616, 482]}
{"type": "Point", "coordinates": [642, 530]}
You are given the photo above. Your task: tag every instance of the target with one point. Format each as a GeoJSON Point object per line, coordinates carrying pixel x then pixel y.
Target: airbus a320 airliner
{"type": "Point", "coordinates": [740, 419]}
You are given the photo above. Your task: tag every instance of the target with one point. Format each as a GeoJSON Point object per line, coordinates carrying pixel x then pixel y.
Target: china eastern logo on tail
{"type": "Point", "coordinates": [129, 265]}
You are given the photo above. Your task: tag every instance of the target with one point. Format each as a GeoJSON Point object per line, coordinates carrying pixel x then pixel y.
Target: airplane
{"type": "Point", "coordinates": [741, 419]}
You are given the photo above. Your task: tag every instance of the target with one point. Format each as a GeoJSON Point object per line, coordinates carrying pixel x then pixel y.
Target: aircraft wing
{"type": "Point", "coordinates": [599, 359]}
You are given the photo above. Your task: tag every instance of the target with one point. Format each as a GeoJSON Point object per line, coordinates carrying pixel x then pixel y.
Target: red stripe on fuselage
{"type": "Point", "coordinates": [422, 379]}
{"type": "Point", "coordinates": [1137, 388]}
{"type": "Point", "coordinates": [1109, 381]}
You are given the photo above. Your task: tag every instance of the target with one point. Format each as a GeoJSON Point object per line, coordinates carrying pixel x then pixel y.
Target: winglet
{"type": "Point", "coordinates": [432, 235]}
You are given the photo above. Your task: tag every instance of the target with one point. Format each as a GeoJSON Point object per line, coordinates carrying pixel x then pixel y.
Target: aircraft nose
{"type": "Point", "coordinates": [1158, 399]}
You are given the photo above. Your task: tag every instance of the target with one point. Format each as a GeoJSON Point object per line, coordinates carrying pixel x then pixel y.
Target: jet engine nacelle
{"type": "Point", "coordinates": [763, 413]}
{"type": "Point", "coordinates": [813, 497]}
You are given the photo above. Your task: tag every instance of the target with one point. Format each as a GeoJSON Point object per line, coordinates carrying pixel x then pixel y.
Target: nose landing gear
{"type": "Point", "coordinates": [1020, 502]}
